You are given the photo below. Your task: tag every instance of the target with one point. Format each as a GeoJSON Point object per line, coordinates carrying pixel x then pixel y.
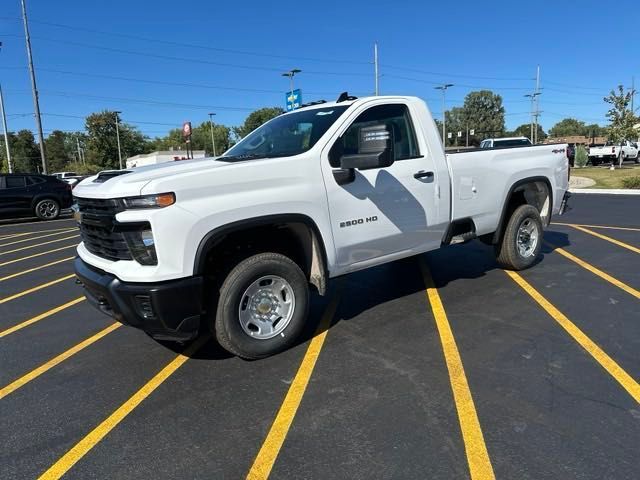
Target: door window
{"type": "Point", "coordinates": [15, 182]}
{"type": "Point", "coordinates": [397, 119]}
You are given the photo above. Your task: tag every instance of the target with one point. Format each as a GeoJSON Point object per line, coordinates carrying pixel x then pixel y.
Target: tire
{"type": "Point", "coordinates": [522, 239]}
{"type": "Point", "coordinates": [47, 209]}
{"type": "Point", "coordinates": [594, 162]}
{"type": "Point", "coordinates": [268, 281]}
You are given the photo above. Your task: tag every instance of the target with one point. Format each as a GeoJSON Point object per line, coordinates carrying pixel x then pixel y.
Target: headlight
{"type": "Point", "coordinates": [142, 245]}
{"type": "Point", "coordinates": [159, 200]}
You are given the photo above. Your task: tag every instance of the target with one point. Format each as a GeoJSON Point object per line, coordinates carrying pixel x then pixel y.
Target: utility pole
{"type": "Point", "coordinates": [533, 97]}
{"type": "Point", "coordinates": [291, 73]}
{"type": "Point", "coordinates": [535, 127]}
{"type": "Point", "coordinates": [118, 139]}
{"type": "Point", "coordinates": [375, 67]}
{"type": "Point", "coordinates": [6, 134]}
{"type": "Point", "coordinates": [213, 141]}
{"type": "Point", "coordinates": [633, 93]}
{"type": "Point", "coordinates": [444, 87]}
{"type": "Point", "coordinates": [80, 154]}
{"type": "Point", "coordinates": [34, 88]}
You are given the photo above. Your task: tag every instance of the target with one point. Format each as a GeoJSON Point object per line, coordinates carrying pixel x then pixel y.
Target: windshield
{"type": "Point", "coordinates": [286, 135]}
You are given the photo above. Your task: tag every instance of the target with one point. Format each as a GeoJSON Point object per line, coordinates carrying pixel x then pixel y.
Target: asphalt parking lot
{"type": "Point", "coordinates": [442, 366]}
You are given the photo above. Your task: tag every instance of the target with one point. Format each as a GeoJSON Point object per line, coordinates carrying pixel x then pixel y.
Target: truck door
{"type": "Point", "coordinates": [385, 212]}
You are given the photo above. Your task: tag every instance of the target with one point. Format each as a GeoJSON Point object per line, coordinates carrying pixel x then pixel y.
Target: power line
{"type": "Point", "coordinates": [444, 74]}
{"type": "Point", "coordinates": [193, 45]}
{"type": "Point", "coordinates": [457, 84]}
{"type": "Point", "coordinates": [184, 59]}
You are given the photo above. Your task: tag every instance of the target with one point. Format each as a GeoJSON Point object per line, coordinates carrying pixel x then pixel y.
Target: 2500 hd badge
{"type": "Point", "coordinates": [358, 221]}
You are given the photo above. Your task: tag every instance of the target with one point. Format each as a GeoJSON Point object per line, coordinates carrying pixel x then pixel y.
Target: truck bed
{"type": "Point", "coordinates": [481, 179]}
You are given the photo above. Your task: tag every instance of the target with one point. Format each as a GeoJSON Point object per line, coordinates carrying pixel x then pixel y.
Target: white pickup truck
{"type": "Point", "coordinates": [231, 245]}
{"type": "Point", "coordinates": [613, 152]}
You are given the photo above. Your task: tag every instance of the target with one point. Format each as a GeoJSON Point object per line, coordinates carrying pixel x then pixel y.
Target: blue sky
{"type": "Point", "coordinates": [248, 44]}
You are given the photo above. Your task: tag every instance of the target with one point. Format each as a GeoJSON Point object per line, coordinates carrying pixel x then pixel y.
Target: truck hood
{"type": "Point", "coordinates": [132, 183]}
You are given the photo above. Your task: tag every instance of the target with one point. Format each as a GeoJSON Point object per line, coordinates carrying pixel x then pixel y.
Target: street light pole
{"type": "Point", "coordinates": [291, 73]}
{"type": "Point", "coordinates": [533, 97]}
{"type": "Point", "coordinates": [213, 141]}
{"type": "Point", "coordinates": [118, 139]}
{"type": "Point", "coordinates": [34, 88]}
{"type": "Point", "coordinates": [444, 87]}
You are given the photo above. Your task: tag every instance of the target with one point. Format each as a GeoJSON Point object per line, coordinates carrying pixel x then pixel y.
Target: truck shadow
{"type": "Point", "coordinates": [363, 291]}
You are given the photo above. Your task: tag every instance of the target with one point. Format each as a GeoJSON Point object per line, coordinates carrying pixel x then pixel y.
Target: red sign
{"type": "Point", "coordinates": [186, 129]}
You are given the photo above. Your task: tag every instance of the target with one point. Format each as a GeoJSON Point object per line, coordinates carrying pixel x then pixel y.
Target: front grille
{"type": "Point", "coordinates": [97, 228]}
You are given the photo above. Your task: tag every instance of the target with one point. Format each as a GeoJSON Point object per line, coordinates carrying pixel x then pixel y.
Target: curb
{"type": "Point", "coordinates": [606, 191]}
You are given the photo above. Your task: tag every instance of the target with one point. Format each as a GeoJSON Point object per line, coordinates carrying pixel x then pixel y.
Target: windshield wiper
{"type": "Point", "coordinates": [244, 156]}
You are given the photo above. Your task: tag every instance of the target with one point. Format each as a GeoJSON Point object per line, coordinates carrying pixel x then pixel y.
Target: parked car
{"type": "Point", "coordinates": [612, 151]}
{"type": "Point", "coordinates": [232, 245]}
{"type": "Point", "coordinates": [63, 175]}
{"type": "Point", "coordinates": [32, 194]}
{"type": "Point", "coordinates": [506, 142]}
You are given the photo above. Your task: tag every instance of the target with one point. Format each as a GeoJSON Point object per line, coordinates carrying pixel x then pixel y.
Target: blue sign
{"type": "Point", "coordinates": [293, 99]}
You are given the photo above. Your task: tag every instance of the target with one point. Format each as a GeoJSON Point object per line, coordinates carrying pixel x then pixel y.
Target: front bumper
{"type": "Point", "coordinates": [168, 310]}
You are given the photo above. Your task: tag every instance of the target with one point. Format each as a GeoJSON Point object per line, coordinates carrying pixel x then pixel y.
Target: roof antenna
{"type": "Point", "coordinates": [344, 96]}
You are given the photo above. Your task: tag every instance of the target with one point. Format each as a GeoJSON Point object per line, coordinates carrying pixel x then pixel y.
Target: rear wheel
{"type": "Point", "coordinates": [47, 209]}
{"type": "Point", "coordinates": [522, 239]}
{"type": "Point", "coordinates": [262, 306]}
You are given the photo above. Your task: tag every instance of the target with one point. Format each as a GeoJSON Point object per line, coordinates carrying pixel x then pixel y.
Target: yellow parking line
{"type": "Point", "coordinates": [35, 289]}
{"type": "Point", "coordinates": [37, 238]}
{"type": "Point", "coordinates": [41, 222]}
{"type": "Point", "coordinates": [16, 384]}
{"type": "Point", "coordinates": [37, 255]}
{"type": "Point", "coordinates": [38, 245]}
{"type": "Point", "coordinates": [14, 275]}
{"type": "Point", "coordinates": [83, 447]}
{"type": "Point", "coordinates": [597, 226]}
{"type": "Point", "coordinates": [477, 455]}
{"type": "Point", "coordinates": [270, 449]}
{"type": "Point", "coordinates": [35, 232]}
{"type": "Point", "coordinates": [623, 378]}
{"type": "Point", "coordinates": [37, 318]}
{"type": "Point", "coordinates": [595, 271]}
{"type": "Point", "coordinates": [608, 239]}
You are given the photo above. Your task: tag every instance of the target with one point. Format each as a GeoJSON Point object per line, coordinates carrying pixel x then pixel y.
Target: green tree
{"type": "Point", "coordinates": [255, 119]}
{"type": "Point", "coordinates": [455, 123]}
{"type": "Point", "coordinates": [57, 154]}
{"type": "Point", "coordinates": [621, 118]}
{"type": "Point", "coordinates": [568, 127]}
{"type": "Point", "coordinates": [25, 154]}
{"type": "Point", "coordinates": [102, 147]}
{"type": "Point", "coordinates": [524, 130]}
{"type": "Point", "coordinates": [483, 111]}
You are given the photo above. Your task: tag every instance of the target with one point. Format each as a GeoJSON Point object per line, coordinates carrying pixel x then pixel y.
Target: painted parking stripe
{"type": "Point", "coordinates": [7, 236]}
{"type": "Point", "coordinates": [46, 222]}
{"type": "Point", "coordinates": [480, 467]}
{"type": "Point", "coordinates": [45, 367]}
{"type": "Point", "coordinates": [38, 245]}
{"type": "Point", "coordinates": [596, 271]}
{"type": "Point", "coordinates": [37, 255]}
{"type": "Point", "coordinates": [608, 227]}
{"type": "Point", "coordinates": [266, 457]}
{"type": "Point", "coordinates": [37, 237]}
{"type": "Point", "coordinates": [83, 447]}
{"type": "Point", "coordinates": [35, 289]}
{"type": "Point", "coordinates": [37, 318]}
{"type": "Point", "coordinates": [606, 238]}
{"type": "Point", "coordinates": [623, 378]}
{"type": "Point", "coordinates": [29, 270]}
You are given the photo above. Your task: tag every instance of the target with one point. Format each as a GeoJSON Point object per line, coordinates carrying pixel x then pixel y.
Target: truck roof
{"type": "Point", "coordinates": [349, 101]}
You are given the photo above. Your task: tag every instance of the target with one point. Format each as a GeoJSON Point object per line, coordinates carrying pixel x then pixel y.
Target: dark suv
{"type": "Point", "coordinates": [25, 194]}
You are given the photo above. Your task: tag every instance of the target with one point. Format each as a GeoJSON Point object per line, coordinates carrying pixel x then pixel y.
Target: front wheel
{"type": "Point", "coordinates": [522, 239]}
{"type": "Point", "coordinates": [47, 209]}
{"type": "Point", "coordinates": [262, 306]}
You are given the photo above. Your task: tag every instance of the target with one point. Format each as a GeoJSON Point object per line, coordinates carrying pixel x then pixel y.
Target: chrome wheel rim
{"type": "Point", "coordinates": [47, 209]}
{"type": "Point", "coordinates": [266, 307]}
{"type": "Point", "coordinates": [527, 238]}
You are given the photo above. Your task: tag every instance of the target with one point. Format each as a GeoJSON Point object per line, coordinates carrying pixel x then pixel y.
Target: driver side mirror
{"type": "Point", "coordinates": [375, 149]}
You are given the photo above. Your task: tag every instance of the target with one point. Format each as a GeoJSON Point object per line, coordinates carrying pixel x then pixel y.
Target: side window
{"type": "Point", "coordinates": [34, 180]}
{"type": "Point", "coordinates": [397, 119]}
{"type": "Point", "coordinates": [15, 182]}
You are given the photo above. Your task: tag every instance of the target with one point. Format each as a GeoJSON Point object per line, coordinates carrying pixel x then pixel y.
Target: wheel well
{"type": "Point", "coordinates": [294, 239]}
{"type": "Point", "coordinates": [535, 192]}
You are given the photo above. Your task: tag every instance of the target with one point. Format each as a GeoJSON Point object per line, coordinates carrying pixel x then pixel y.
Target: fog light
{"type": "Point", "coordinates": [142, 245]}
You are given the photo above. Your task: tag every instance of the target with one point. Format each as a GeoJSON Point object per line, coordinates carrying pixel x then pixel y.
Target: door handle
{"type": "Point", "coordinates": [423, 174]}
